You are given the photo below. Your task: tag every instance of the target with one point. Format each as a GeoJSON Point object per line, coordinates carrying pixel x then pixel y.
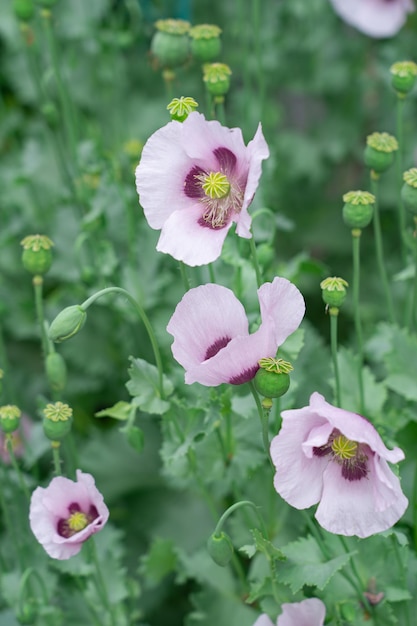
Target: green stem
{"type": "Point", "coordinates": [211, 273]}
{"type": "Point", "coordinates": [400, 138]}
{"type": "Point", "coordinates": [334, 312]}
{"type": "Point", "coordinates": [379, 248]}
{"type": "Point", "coordinates": [229, 436]}
{"type": "Point", "coordinates": [145, 321]}
{"type": "Point", "coordinates": [234, 507]}
{"type": "Point", "coordinates": [403, 575]}
{"type": "Point", "coordinates": [256, 18]}
{"type": "Point", "coordinates": [11, 529]}
{"type": "Point", "coordinates": [221, 113]}
{"type": "Point", "coordinates": [55, 445]}
{"type": "Point", "coordinates": [22, 483]}
{"type": "Point", "coordinates": [356, 235]}
{"type": "Point", "coordinates": [359, 582]}
{"type": "Point", "coordinates": [38, 288]}
{"type": "Point", "coordinates": [185, 278]}
{"type": "Point", "coordinates": [411, 312]}
{"type": "Point", "coordinates": [100, 583]}
{"type": "Point", "coordinates": [255, 261]}
{"type": "Point", "coordinates": [264, 419]}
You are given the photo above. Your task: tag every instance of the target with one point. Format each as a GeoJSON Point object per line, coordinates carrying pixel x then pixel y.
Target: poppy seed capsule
{"type": "Point", "coordinates": [205, 42]}
{"type": "Point", "coordinates": [220, 548]}
{"type": "Point", "coordinates": [9, 418]}
{"type": "Point", "coordinates": [271, 384]}
{"type": "Point", "coordinates": [37, 254]}
{"type": "Point", "coordinates": [379, 151]}
{"type": "Point", "coordinates": [409, 190]}
{"type": "Point", "coordinates": [333, 291]}
{"type": "Point", "coordinates": [170, 43]}
{"type": "Point", "coordinates": [358, 208]}
{"type": "Point", "coordinates": [23, 9]}
{"type": "Point", "coordinates": [57, 421]}
{"type": "Point", "coordinates": [403, 76]}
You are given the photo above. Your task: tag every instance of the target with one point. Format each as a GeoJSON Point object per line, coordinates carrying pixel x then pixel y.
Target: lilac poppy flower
{"type": "Point", "coordinates": [310, 612]}
{"type": "Point", "coordinates": [376, 18]}
{"type": "Point", "coordinates": [211, 335]}
{"type": "Point", "coordinates": [336, 458]}
{"type": "Point", "coordinates": [66, 513]}
{"type": "Point", "coordinates": [194, 180]}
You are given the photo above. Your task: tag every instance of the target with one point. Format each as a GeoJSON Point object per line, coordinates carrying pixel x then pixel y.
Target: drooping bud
{"type": "Point", "coordinates": [205, 42]}
{"type": "Point", "coordinates": [23, 9]}
{"type": "Point", "coordinates": [217, 78]}
{"type": "Point", "coordinates": [56, 371]}
{"type": "Point", "coordinates": [404, 74]}
{"type": "Point", "coordinates": [272, 378]}
{"type": "Point", "coordinates": [180, 108]}
{"type": "Point", "coordinates": [334, 291]}
{"type": "Point", "coordinates": [358, 208]}
{"type": "Point", "coordinates": [67, 323]}
{"type": "Point", "coordinates": [9, 418]}
{"type": "Point", "coordinates": [379, 151]}
{"type": "Point", "coordinates": [170, 43]}
{"type": "Point", "coordinates": [37, 254]}
{"type": "Point", "coordinates": [220, 548]}
{"type": "Point", "coordinates": [57, 421]}
{"type": "Point", "coordinates": [409, 190]}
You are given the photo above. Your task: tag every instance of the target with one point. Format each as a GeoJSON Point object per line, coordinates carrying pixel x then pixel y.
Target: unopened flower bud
{"type": "Point", "coordinates": [272, 378]}
{"type": "Point", "coordinates": [205, 42]}
{"type": "Point", "coordinates": [334, 291]}
{"type": "Point", "coordinates": [28, 613]}
{"type": "Point", "coordinates": [170, 43]}
{"type": "Point", "coordinates": [37, 254]}
{"type": "Point", "coordinates": [67, 323]}
{"type": "Point", "coordinates": [409, 190]}
{"type": "Point", "coordinates": [404, 74]}
{"type": "Point", "coordinates": [217, 78]}
{"type": "Point", "coordinates": [358, 208]}
{"type": "Point", "coordinates": [9, 418]}
{"type": "Point", "coordinates": [56, 371]}
{"type": "Point", "coordinates": [220, 548]}
{"type": "Point", "coordinates": [180, 108]}
{"type": "Point", "coordinates": [379, 151]}
{"type": "Point", "coordinates": [57, 421]}
{"type": "Point", "coordinates": [23, 9]}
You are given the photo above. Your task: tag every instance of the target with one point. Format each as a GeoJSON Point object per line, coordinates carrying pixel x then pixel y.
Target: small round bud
{"type": "Point", "coordinates": [9, 418]}
{"type": "Point", "coordinates": [205, 42]}
{"type": "Point", "coordinates": [220, 548]}
{"type": "Point", "coordinates": [334, 291]}
{"type": "Point", "coordinates": [170, 43]}
{"type": "Point", "coordinates": [358, 209]}
{"type": "Point", "coordinates": [23, 9]}
{"type": "Point", "coordinates": [217, 78]}
{"type": "Point", "coordinates": [57, 421]}
{"type": "Point", "coordinates": [37, 254]}
{"type": "Point", "coordinates": [409, 190]}
{"type": "Point", "coordinates": [272, 378]}
{"type": "Point", "coordinates": [28, 613]}
{"type": "Point", "coordinates": [56, 371]}
{"type": "Point", "coordinates": [67, 323]}
{"type": "Point", "coordinates": [180, 108]}
{"type": "Point", "coordinates": [379, 151]}
{"type": "Point", "coordinates": [404, 74]}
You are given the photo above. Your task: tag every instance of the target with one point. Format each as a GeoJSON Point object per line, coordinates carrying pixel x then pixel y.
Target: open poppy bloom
{"type": "Point", "coordinates": [66, 513]}
{"type": "Point", "coordinates": [211, 331]}
{"type": "Point", "coordinates": [195, 179]}
{"type": "Point", "coordinates": [310, 612]}
{"type": "Point", "coordinates": [336, 458]}
{"type": "Point", "coordinates": [376, 18]}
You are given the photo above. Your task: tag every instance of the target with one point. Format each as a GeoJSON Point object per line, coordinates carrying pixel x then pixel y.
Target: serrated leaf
{"type": "Point", "coordinates": [259, 589]}
{"type": "Point", "coordinates": [401, 364]}
{"type": "Point", "coordinates": [144, 387]}
{"type": "Point", "coordinates": [264, 546]}
{"type": "Point", "coordinates": [375, 392]}
{"type": "Point", "coordinates": [160, 560]}
{"type": "Point", "coordinates": [248, 550]}
{"type": "Point", "coordinates": [305, 565]}
{"type": "Point", "coordinates": [119, 411]}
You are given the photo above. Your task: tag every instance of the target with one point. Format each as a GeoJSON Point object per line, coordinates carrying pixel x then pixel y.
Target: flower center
{"type": "Point", "coordinates": [350, 455]}
{"type": "Point", "coordinates": [344, 448]}
{"type": "Point", "coordinates": [215, 185]}
{"type": "Point", "coordinates": [77, 521]}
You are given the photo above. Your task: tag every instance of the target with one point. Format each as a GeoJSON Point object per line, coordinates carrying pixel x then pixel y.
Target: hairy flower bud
{"type": "Point", "coordinates": [170, 43]}
{"type": "Point", "coordinates": [56, 371]}
{"type": "Point", "coordinates": [409, 190]}
{"type": "Point", "coordinates": [403, 76]}
{"type": "Point", "coordinates": [37, 254]}
{"type": "Point", "coordinates": [205, 42]}
{"type": "Point", "coordinates": [379, 151]}
{"type": "Point", "coordinates": [67, 323]}
{"type": "Point", "coordinates": [9, 418]}
{"type": "Point", "coordinates": [334, 291]}
{"type": "Point", "coordinates": [358, 208]}
{"type": "Point", "coordinates": [220, 548]}
{"type": "Point", "coordinates": [57, 421]}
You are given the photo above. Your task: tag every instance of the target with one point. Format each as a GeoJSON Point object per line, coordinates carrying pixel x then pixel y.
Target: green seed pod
{"type": "Point", "coordinates": [37, 254]}
{"type": "Point", "coordinates": [334, 291]}
{"type": "Point", "coordinates": [271, 384]}
{"type": "Point", "coordinates": [379, 151]}
{"type": "Point", "coordinates": [57, 421]}
{"type": "Point", "coordinates": [403, 76]}
{"type": "Point", "coordinates": [9, 418]}
{"type": "Point", "coordinates": [216, 77]}
{"type": "Point", "coordinates": [220, 548]}
{"type": "Point", "coordinates": [23, 9]}
{"type": "Point", "coordinates": [358, 209]}
{"type": "Point", "coordinates": [170, 44]}
{"type": "Point", "coordinates": [205, 42]}
{"type": "Point", "coordinates": [67, 323]}
{"type": "Point", "coordinates": [56, 371]}
{"type": "Point", "coordinates": [409, 190]}
{"type": "Point", "coordinates": [180, 108]}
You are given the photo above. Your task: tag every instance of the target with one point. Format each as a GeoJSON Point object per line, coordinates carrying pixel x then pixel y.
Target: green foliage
{"type": "Point", "coordinates": [144, 387]}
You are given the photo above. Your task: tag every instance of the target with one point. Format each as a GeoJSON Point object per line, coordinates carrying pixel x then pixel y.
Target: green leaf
{"type": "Point", "coordinates": [305, 565]}
{"type": "Point", "coordinates": [160, 561]}
{"type": "Point", "coordinates": [401, 364]}
{"type": "Point", "coordinates": [119, 411]}
{"type": "Point", "coordinates": [264, 546]}
{"type": "Point", "coordinates": [144, 387]}
{"type": "Point", "coordinates": [219, 610]}
{"type": "Point", "coordinates": [259, 589]}
{"type": "Point", "coordinates": [375, 392]}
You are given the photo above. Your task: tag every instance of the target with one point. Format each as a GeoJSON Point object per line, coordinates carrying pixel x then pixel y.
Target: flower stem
{"type": "Point", "coordinates": [379, 247]}
{"type": "Point", "coordinates": [400, 138]}
{"type": "Point", "coordinates": [22, 483]}
{"type": "Point", "coordinates": [264, 418]}
{"type": "Point", "coordinates": [100, 583]}
{"type": "Point", "coordinates": [38, 288]}
{"type": "Point", "coordinates": [204, 491]}
{"type": "Point", "coordinates": [185, 278]}
{"type": "Point", "coordinates": [255, 261]}
{"type": "Point", "coordinates": [356, 235]}
{"type": "Point", "coordinates": [55, 445]}
{"type": "Point", "coordinates": [411, 312]}
{"type": "Point", "coordinates": [334, 313]}
{"type": "Point", "coordinates": [256, 17]}
{"type": "Point", "coordinates": [234, 507]}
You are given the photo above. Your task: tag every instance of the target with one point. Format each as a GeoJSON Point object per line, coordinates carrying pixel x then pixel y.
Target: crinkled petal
{"type": "Point", "coordinates": [298, 479]}
{"type": "Point", "coordinates": [263, 620]}
{"type": "Point", "coordinates": [360, 507]}
{"type": "Point", "coordinates": [354, 427]}
{"type": "Point", "coordinates": [205, 315]}
{"type": "Point", "coordinates": [282, 308]}
{"type": "Point", "coordinates": [310, 612]}
{"type": "Point", "coordinates": [186, 240]}
{"type": "Point", "coordinates": [376, 18]}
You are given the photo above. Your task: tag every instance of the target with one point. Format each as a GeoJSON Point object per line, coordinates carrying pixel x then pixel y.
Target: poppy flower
{"type": "Point", "coordinates": [211, 331]}
{"type": "Point", "coordinates": [376, 18]}
{"type": "Point", "coordinates": [194, 180]}
{"type": "Point", "coordinates": [336, 458]}
{"type": "Point", "coordinates": [66, 513]}
{"type": "Point", "coordinates": [310, 612]}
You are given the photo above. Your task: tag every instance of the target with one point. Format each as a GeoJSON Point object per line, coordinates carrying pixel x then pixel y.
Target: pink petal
{"type": "Point", "coordinates": [186, 240]}
{"type": "Point", "coordinates": [201, 137]}
{"type": "Point", "coordinates": [282, 308]}
{"type": "Point", "coordinates": [310, 612]}
{"type": "Point", "coordinates": [376, 18]}
{"type": "Point", "coordinates": [361, 507]}
{"type": "Point", "coordinates": [206, 314]}
{"type": "Point", "coordinates": [263, 620]}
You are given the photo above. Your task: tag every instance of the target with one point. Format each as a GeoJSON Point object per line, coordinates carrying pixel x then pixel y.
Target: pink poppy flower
{"type": "Point", "coordinates": [66, 514]}
{"type": "Point", "coordinates": [376, 18]}
{"type": "Point", "coordinates": [194, 180]}
{"type": "Point", "coordinates": [310, 612]}
{"type": "Point", "coordinates": [211, 335]}
{"type": "Point", "coordinates": [336, 458]}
